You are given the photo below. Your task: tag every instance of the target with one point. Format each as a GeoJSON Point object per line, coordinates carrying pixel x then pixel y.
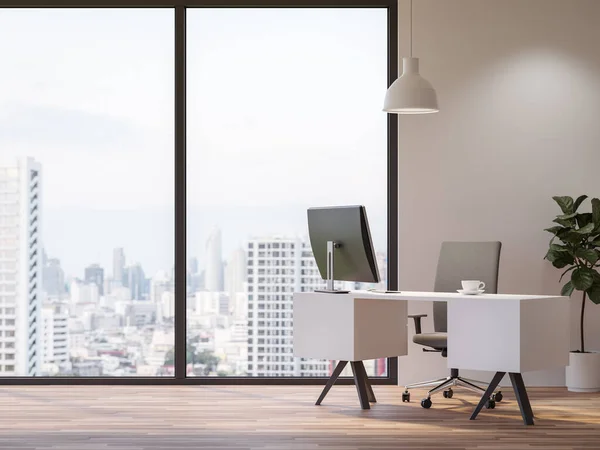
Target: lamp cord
{"type": "Point", "coordinates": [411, 28]}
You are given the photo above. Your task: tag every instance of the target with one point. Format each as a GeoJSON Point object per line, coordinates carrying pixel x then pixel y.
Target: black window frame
{"type": "Point", "coordinates": [180, 7]}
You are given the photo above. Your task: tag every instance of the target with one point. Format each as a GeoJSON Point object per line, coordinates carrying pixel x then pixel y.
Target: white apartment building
{"type": "Point", "coordinates": [165, 310]}
{"type": "Point", "coordinates": [21, 267]}
{"type": "Point", "coordinates": [276, 268]}
{"type": "Point", "coordinates": [55, 336]}
{"type": "Point", "coordinates": [82, 293]}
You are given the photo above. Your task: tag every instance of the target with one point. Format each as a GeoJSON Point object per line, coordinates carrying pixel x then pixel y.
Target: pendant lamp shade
{"type": "Point", "coordinates": [411, 93]}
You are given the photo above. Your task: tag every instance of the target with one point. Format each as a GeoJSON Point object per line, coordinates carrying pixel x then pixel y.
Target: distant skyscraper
{"type": "Point", "coordinates": [95, 274]}
{"type": "Point", "coordinates": [213, 275]}
{"type": "Point", "coordinates": [193, 265]}
{"type": "Point", "coordinates": [54, 278]}
{"type": "Point", "coordinates": [193, 277]}
{"type": "Point", "coordinates": [21, 250]}
{"type": "Point", "coordinates": [278, 267]}
{"type": "Point", "coordinates": [118, 264]}
{"type": "Point", "coordinates": [235, 273]}
{"type": "Point", "coordinates": [135, 280]}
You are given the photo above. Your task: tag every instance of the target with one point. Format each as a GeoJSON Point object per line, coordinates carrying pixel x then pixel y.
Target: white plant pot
{"type": "Point", "coordinates": [583, 372]}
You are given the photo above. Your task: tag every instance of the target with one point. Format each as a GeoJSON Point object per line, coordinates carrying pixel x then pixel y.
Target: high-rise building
{"type": "Point", "coordinates": [213, 274]}
{"type": "Point", "coordinates": [22, 267]}
{"type": "Point", "coordinates": [135, 280]}
{"type": "Point", "coordinates": [54, 278]}
{"type": "Point", "coordinates": [235, 273]}
{"type": "Point", "coordinates": [95, 274]}
{"type": "Point", "coordinates": [193, 278]}
{"type": "Point", "coordinates": [55, 335]}
{"type": "Point", "coordinates": [118, 265]}
{"type": "Point", "coordinates": [276, 268]}
{"type": "Point", "coordinates": [193, 265]}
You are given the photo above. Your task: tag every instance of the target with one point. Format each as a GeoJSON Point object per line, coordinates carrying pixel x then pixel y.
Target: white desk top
{"type": "Point", "coordinates": [434, 296]}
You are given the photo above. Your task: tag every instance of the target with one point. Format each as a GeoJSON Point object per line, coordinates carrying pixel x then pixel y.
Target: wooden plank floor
{"type": "Point", "coordinates": [277, 417]}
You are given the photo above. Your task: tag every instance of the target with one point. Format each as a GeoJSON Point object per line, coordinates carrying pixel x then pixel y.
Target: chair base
{"type": "Point", "coordinates": [446, 385]}
{"type": "Point", "coordinates": [448, 382]}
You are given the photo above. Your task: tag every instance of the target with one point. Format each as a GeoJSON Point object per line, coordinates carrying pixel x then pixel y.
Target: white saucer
{"type": "Point", "coordinates": [462, 291]}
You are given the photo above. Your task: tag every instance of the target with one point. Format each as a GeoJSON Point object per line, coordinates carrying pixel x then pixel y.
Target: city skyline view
{"type": "Point", "coordinates": [290, 221]}
{"type": "Point", "coordinates": [87, 132]}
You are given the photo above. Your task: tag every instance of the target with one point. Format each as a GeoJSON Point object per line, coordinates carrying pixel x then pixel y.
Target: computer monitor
{"type": "Point", "coordinates": [341, 243]}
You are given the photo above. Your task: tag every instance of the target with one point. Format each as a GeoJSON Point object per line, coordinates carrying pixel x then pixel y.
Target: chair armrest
{"type": "Point", "coordinates": [417, 319]}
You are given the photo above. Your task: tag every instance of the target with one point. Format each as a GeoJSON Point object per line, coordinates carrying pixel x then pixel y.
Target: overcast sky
{"type": "Point", "coordinates": [284, 112]}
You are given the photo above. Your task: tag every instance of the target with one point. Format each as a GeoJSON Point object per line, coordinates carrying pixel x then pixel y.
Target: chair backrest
{"type": "Point", "coordinates": [464, 261]}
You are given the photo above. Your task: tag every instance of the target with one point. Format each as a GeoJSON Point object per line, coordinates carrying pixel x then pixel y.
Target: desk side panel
{"type": "Point", "coordinates": [545, 333]}
{"type": "Point", "coordinates": [324, 326]}
{"type": "Point", "coordinates": [483, 334]}
{"type": "Point", "coordinates": [380, 328]}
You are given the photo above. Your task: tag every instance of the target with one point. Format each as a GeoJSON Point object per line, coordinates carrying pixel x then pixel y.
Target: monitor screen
{"type": "Point", "coordinates": [348, 227]}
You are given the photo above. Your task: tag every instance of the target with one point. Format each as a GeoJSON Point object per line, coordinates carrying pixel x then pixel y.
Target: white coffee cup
{"type": "Point", "coordinates": [472, 285]}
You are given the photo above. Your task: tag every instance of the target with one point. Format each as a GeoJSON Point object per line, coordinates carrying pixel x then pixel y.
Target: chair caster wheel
{"type": "Point", "coordinates": [498, 396]}
{"type": "Point", "coordinates": [448, 394]}
{"type": "Point", "coordinates": [490, 404]}
{"type": "Point", "coordinates": [405, 396]}
{"type": "Point", "coordinates": [426, 403]}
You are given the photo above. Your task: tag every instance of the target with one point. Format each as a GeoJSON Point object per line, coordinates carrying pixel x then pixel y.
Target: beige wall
{"type": "Point", "coordinates": [518, 83]}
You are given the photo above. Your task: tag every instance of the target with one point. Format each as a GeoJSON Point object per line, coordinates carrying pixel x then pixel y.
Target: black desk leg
{"type": "Point", "coordinates": [522, 398]}
{"type": "Point", "coordinates": [487, 394]}
{"type": "Point", "coordinates": [370, 392]}
{"type": "Point", "coordinates": [334, 376]}
{"type": "Point", "coordinates": [361, 383]}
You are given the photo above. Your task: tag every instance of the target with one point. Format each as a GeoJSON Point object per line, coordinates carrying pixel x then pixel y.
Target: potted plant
{"type": "Point", "coordinates": [575, 247]}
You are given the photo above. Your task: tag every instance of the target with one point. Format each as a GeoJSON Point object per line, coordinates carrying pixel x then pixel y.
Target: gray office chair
{"type": "Point", "coordinates": [458, 261]}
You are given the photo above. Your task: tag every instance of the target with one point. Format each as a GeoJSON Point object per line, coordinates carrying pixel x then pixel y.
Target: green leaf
{"type": "Point", "coordinates": [561, 259]}
{"type": "Point", "coordinates": [567, 223]}
{"type": "Point", "coordinates": [567, 289]}
{"type": "Point", "coordinates": [583, 219]}
{"type": "Point", "coordinates": [554, 230]}
{"type": "Point", "coordinates": [572, 237]}
{"type": "Point", "coordinates": [596, 211]}
{"type": "Point", "coordinates": [589, 255]}
{"type": "Point", "coordinates": [551, 255]}
{"type": "Point", "coordinates": [594, 293]}
{"type": "Point", "coordinates": [559, 248]}
{"type": "Point", "coordinates": [585, 230]}
{"type": "Point", "coordinates": [596, 243]}
{"type": "Point", "coordinates": [579, 201]}
{"type": "Point", "coordinates": [565, 202]}
{"type": "Point", "coordinates": [568, 216]}
{"type": "Point", "coordinates": [565, 272]}
{"type": "Point", "coordinates": [582, 278]}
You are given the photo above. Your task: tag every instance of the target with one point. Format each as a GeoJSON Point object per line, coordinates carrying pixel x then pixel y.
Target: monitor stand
{"type": "Point", "coordinates": [331, 246]}
{"type": "Point", "coordinates": [384, 291]}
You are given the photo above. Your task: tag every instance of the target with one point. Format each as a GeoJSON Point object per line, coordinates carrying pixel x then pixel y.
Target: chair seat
{"type": "Point", "coordinates": [434, 340]}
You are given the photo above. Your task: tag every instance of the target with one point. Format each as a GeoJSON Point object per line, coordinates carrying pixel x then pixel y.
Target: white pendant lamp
{"type": "Point", "coordinates": [410, 93]}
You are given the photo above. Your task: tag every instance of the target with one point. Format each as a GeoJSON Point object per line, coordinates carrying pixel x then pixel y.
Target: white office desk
{"type": "Point", "coordinates": [495, 332]}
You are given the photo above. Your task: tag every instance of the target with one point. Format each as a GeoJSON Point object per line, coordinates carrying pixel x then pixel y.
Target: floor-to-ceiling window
{"type": "Point", "coordinates": [283, 113]}
{"type": "Point", "coordinates": [86, 192]}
